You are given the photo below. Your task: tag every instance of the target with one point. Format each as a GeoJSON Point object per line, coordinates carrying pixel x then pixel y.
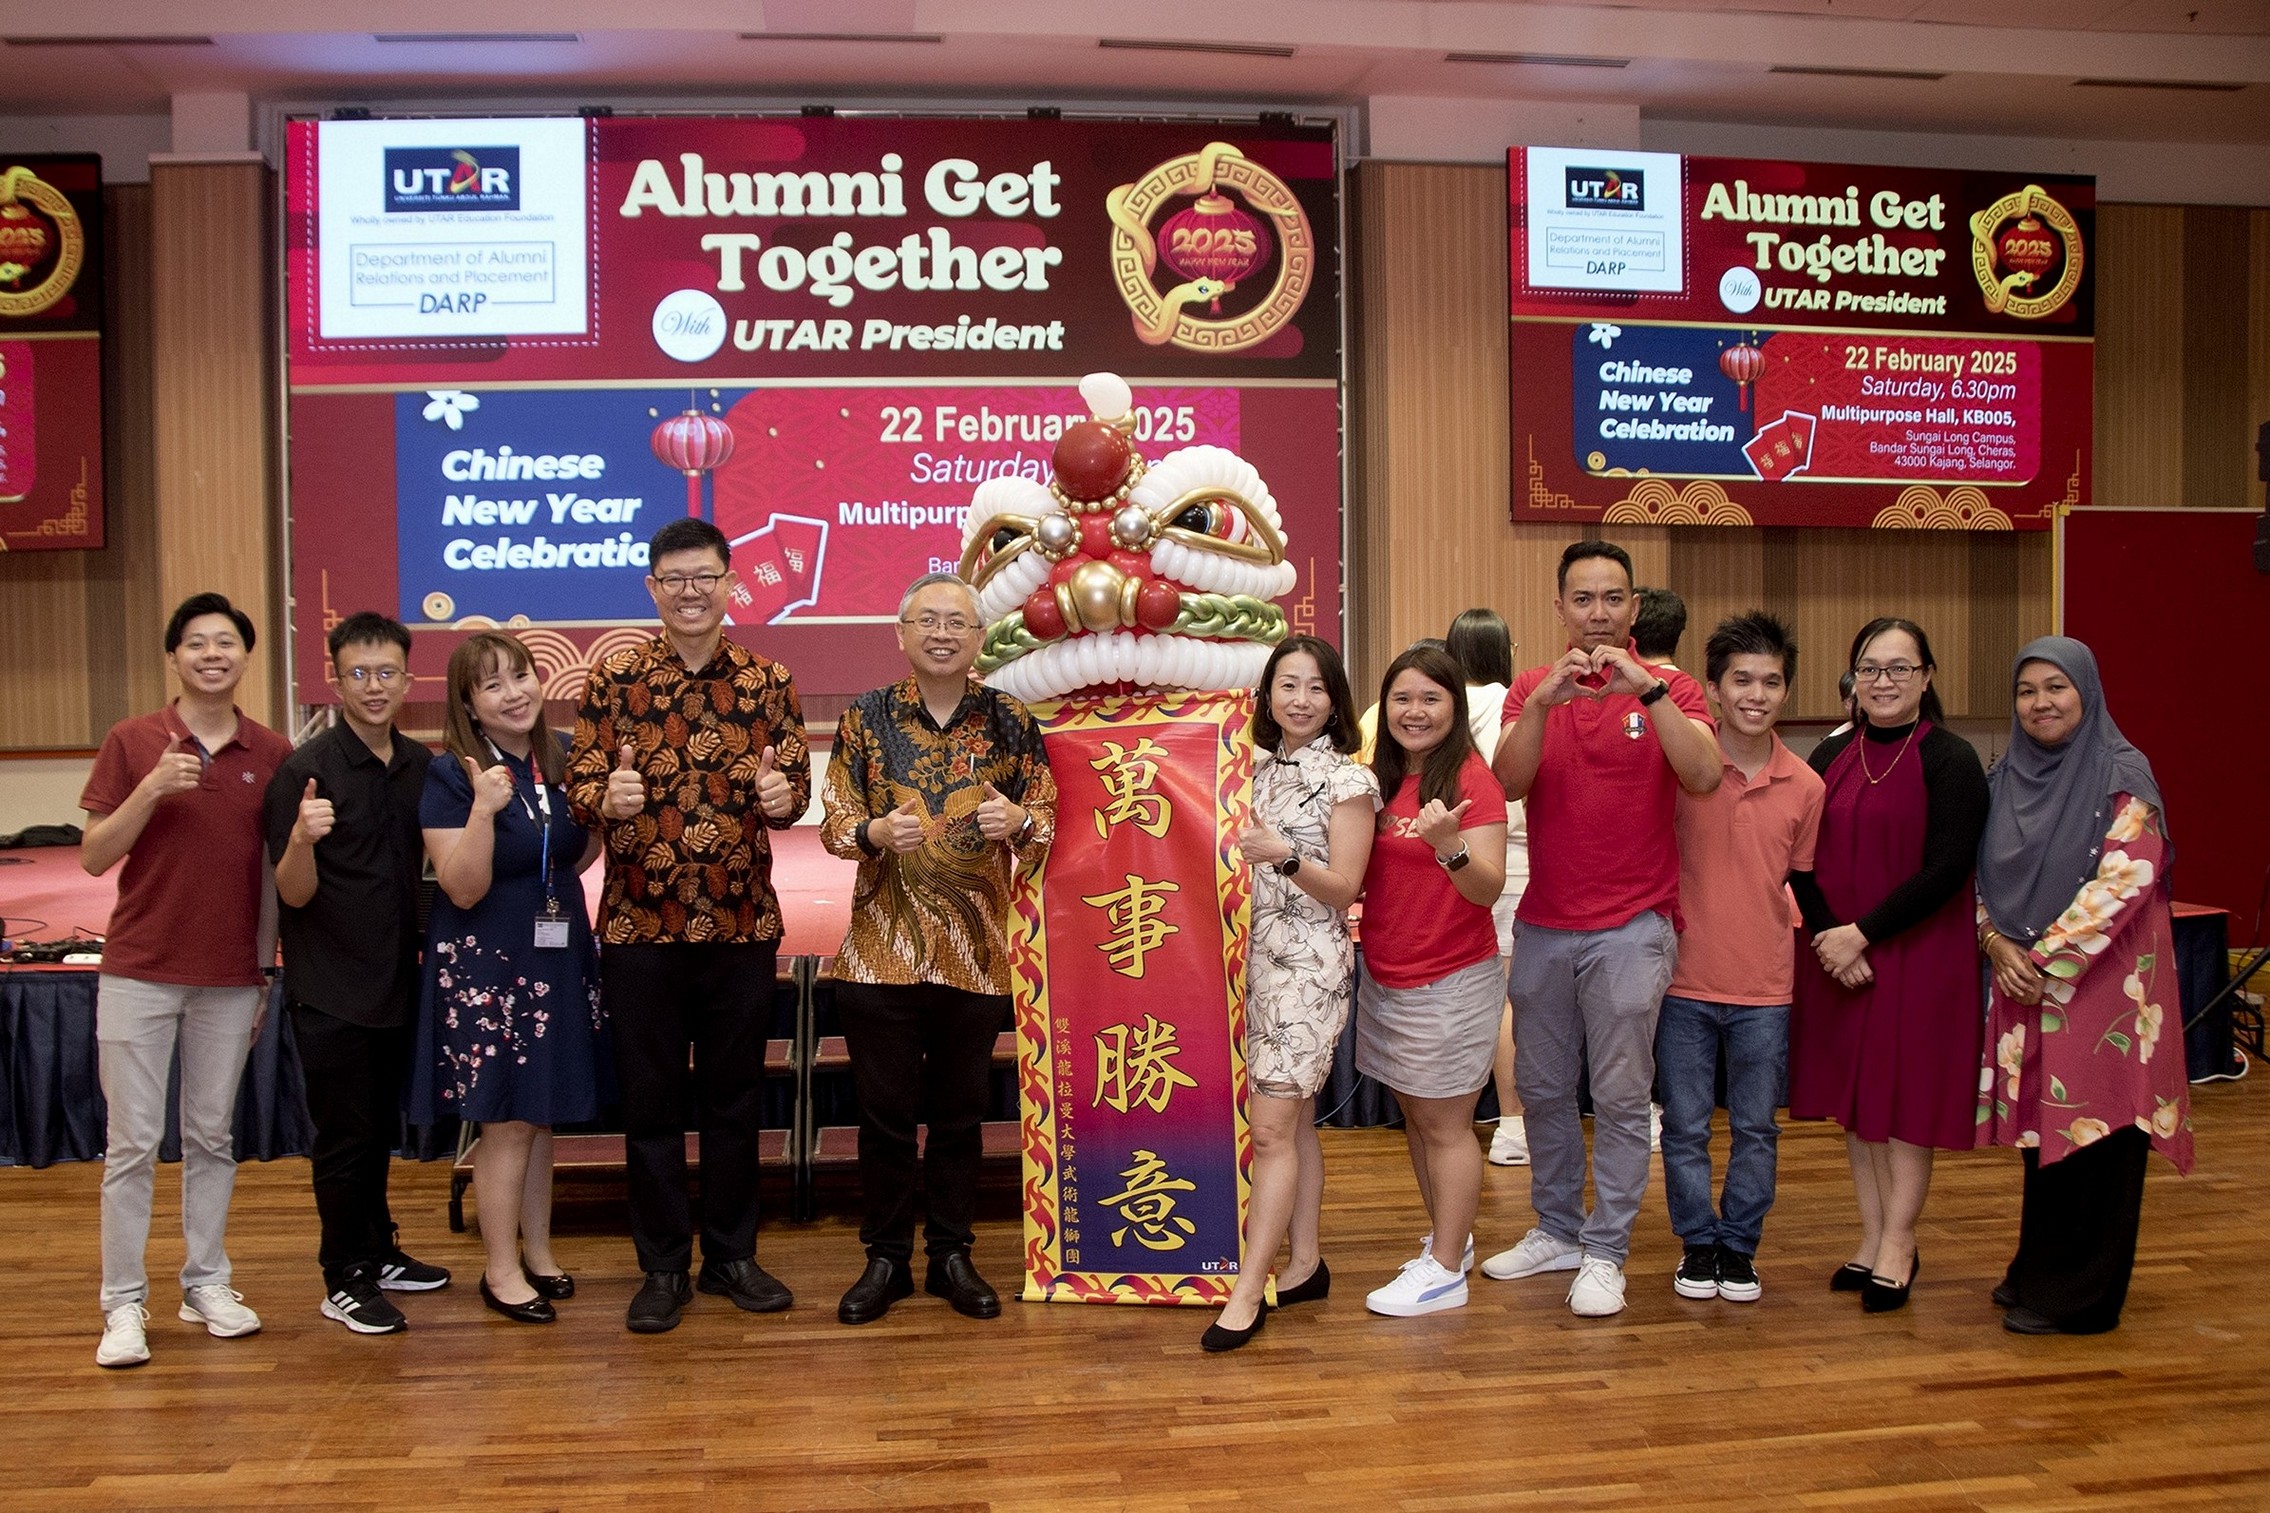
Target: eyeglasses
{"type": "Point", "coordinates": [952, 625]}
{"type": "Point", "coordinates": [1895, 673]}
{"type": "Point", "coordinates": [384, 677]}
{"type": "Point", "coordinates": [701, 583]}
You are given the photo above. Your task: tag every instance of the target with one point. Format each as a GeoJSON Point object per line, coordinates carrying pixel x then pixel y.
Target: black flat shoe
{"type": "Point", "coordinates": [2004, 1296]}
{"type": "Point", "coordinates": [2026, 1321]}
{"type": "Point", "coordinates": [1880, 1296]}
{"type": "Point", "coordinates": [1313, 1288]}
{"type": "Point", "coordinates": [879, 1286]}
{"type": "Point", "coordinates": [1850, 1277]}
{"type": "Point", "coordinates": [953, 1278]}
{"type": "Point", "coordinates": [534, 1311]}
{"type": "Point", "coordinates": [557, 1288]}
{"type": "Point", "coordinates": [1216, 1339]}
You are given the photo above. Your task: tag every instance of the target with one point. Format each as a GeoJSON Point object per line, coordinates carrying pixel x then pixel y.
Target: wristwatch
{"type": "Point", "coordinates": [1453, 863]}
{"type": "Point", "coordinates": [1288, 866]}
{"type": "Point", "coordinates": [1662, 687]}
{"type": "Point", "coordinates": [1024, 831]}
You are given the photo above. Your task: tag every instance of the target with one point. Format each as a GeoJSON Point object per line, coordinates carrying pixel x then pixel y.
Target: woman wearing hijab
{"type": "Point", "coordinates": [2084, 1031]}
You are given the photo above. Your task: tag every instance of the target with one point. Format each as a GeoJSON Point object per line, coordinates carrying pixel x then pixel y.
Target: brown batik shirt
{"type": "Point", "coordinates": [938, 914]}
{"type": "Point", "coordinates": [695, 865]}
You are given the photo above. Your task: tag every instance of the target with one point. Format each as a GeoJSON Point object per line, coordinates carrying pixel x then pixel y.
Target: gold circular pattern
{"type": "Point", "coordinates": [1159, 316]}
{"type": "Point", "coordinates": [1999, 289]}
{"type": "Point", "coordinates": [438, 606]}
{"type": "Point", "coordinates": [21, 185]}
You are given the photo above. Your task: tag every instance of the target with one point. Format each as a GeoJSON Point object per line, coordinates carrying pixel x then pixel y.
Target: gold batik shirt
{"type": "Point", "coordinates": [938, 914]}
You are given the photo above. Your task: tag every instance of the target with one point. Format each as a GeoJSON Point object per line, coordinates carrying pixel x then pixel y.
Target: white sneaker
{"type": "Point", "coordinates": [1510, 1145]}
{"type": "Point", "coordinates": [1538, 1251]}
{"type": "Point", "coordinates": [1422, 1286]}
{"type": "Point", "coordinates": [1465, 1257]}
{"type": "Point", "coordinates": [1655, 1126]}
{"type": "Point", "coordinates": [125, 1336]}
{"type": "Point", "coordinates": [220, 1309]}
{"type": "Point", "coordinates": [1598, 1290]}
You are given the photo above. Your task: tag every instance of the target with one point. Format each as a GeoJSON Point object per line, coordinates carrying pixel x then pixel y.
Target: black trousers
{"type": "Point", "coordinates": [920, 1055]}
{"type": "Point", "coordinates": [354, 1079]}
{"type": "Point", "coordinates": [713, 1002]}
{"type": "Point", "coordinates": [2077, 1232]}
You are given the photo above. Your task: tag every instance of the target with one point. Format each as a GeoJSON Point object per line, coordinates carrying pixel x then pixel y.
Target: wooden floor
{"type": "Point", "coordinates": [1796, 1401]}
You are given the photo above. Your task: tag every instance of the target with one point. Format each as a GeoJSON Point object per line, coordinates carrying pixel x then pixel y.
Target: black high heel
{"type": "Point", "coordinates": [1314, 1287]}
{"type": "Point", "coordinates": [1880, 1296]}
{"type": "Point", "coordinates": [1216, 1339]}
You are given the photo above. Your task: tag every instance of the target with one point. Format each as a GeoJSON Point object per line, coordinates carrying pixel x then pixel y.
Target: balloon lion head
{"type": "Point", "coordinates": [1122, 574]}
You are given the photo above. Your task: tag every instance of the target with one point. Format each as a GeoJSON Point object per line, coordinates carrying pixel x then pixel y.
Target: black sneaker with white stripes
{"type": "Point", "coordinates": [1697, 1276]}
{"type": "Point", "coordinates": [357, 1303]}
{"type": "Point", "coordinates": [403, 1273]}
{"type": "Point", "coordinates": [1737, 1276]}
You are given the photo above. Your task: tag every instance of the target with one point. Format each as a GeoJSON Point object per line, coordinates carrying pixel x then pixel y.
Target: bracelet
{"type": "Point", "coordinates": [1988, 936]}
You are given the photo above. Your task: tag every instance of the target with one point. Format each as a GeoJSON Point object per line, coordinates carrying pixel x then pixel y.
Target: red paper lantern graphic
{"type": "Point", "coordinates": [694, 443]}
{"type": "Point", "coordinates": [2027, 248]}
{"type": "Point", "coordinates": [24, 241]}
{"type": "Point", "coordinates": [1215, 239]}
{"type": "Point", "coordinates": [1743, 364]}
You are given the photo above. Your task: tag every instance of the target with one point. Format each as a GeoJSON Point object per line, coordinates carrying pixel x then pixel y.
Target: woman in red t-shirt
{"type": "Point", "coordinates": [1428, 997]}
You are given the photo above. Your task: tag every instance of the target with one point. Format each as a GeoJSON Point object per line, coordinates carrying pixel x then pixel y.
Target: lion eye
{"type": "Point", "coordinates": [1202, 518]}
{"type": "Point", "coordinates": [1005, 535]}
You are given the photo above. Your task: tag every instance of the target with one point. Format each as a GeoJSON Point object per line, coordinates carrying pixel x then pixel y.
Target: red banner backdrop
{"type": "Point", "coordinates": [51, 483]}
{"type": "Point", "coordinates": [1129, 949]}
{"type": "Point", "coordinates": [1725, 341]}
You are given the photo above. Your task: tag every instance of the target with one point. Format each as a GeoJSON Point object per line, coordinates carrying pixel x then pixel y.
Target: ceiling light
{"type": "Point", "coordinates": [925, 39]}
{"type": "Point", "coordinates": [108, 41]}
{"type": "Point", "coordinates": [454, 38]}
{"type": "Point", "coordinates": [1231, 49]}
{"type": "Point", "coordinates": [1540, 60]}
{"type": "Point", "coordinates": [2200, 85]}
{"type": "Point", "coordinates": [1856, 73]}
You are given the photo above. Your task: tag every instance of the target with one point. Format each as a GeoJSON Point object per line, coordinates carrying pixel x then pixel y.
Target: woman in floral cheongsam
{"type": "Point", "coordinates": [1307, 844]}
{"type": "Point", "coordinates": [2084, 1038]}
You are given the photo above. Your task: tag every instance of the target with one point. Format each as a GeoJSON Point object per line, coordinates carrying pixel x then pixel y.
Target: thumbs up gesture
{"type": "Point", "coordinates": [315, 818]}
{"type": "Point", "coordinates": [177, 771]}
{"type": "Point", "coordinates": [626, 790]}
{"type": "Point", "coordinates": [999, 819]}
{"type": "Point", "coordinates": [774, 796]}
{"type": "Point", "coordinates": [1438, 826]}
{"type": "Point", "coordinates": [492, 789]}
{"type": "Point", "coordinates": [900, 830]}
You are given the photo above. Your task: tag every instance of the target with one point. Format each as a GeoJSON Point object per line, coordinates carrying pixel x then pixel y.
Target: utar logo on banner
{"type": "Point", "coordinates": [1721, 341]}
{"type": "Point", "coordinates": [51, 318]}
{"type": "Point", "coordinates": [517, 347]}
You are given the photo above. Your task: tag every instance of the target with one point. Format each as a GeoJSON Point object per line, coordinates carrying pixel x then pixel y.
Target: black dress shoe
{"type": "Point", "coordinates": [2005, 1294]}
{"type": "Point", "coordinates": [1880, 1296]}
{"type": "Point", "coordinates": [2026, 1321]}
{"type": "Point", "coordinates": [656, 1308]}
{"type": "Point", "coordinates": [557, 1288]}
{"type": "Point", "coordinates": [953, 1278]}
{"type": "Point", "coordinates": [534, 1311]}
{"type": "Point", "coordinates": [1216, 1339]}
{"type": "Point", "coordinates": [751, 1288]}
{"type": "Point", "coordinates": [1314, 1287]}
{"type": "Point", "coordinates": [1850, 1277]}
{"type": "Point", "coordinates": [879, 1286]}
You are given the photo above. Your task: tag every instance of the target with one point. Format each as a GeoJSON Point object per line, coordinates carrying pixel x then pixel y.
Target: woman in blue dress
{"type": "Point", "coordinates": [509, 1022]}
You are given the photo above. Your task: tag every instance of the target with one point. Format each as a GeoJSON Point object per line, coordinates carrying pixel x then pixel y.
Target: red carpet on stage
{"type": "Point", "coordinates": [46, 895]}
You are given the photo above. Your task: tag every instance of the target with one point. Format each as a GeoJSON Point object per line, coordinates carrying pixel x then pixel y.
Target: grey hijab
{"type": "Point", "coordinates": [2045, 831]}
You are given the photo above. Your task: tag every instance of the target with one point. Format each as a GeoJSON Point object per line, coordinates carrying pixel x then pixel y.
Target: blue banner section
{"type": "Point", "coordinates": [1654, 399]}
{"type": "Point", "coordinates": [536, 504]}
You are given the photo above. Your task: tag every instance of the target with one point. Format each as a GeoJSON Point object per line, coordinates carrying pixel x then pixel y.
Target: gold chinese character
{"type": "Point", "coordinates": [1135, 1065]}
{"type": "Point", "coordinates": [1146, 1205]}
{"type": "Point", "coordinates": [1135, 924]}
{"type": "Point", "coordinates": [1127, 778]}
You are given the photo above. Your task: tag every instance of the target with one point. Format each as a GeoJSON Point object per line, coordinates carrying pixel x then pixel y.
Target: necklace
{"type": "Point", "coordinates": [1873, 780]}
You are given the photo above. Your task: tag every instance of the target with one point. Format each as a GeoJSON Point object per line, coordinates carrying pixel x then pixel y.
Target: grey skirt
{"type": "Point", "coordinates": [1432, 1041]}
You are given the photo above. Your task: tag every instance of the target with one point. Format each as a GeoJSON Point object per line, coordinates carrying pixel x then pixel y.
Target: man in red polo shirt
{"type": "Point", "coordinates": [1599, 745]}
{"type": "Point", "coordinates": [1730, 991]}
{"type": "Point", "coordinates": [177, 796]}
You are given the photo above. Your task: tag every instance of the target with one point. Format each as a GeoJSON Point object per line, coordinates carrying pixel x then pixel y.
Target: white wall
{"type": "Point", "coordinates": [125, 142]}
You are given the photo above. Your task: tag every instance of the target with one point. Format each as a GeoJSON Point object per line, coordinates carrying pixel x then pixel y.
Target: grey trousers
{"type": "Point", "coordinates": [1588, 999]}
{"type": "Point", "coordinates": [136, 1027]}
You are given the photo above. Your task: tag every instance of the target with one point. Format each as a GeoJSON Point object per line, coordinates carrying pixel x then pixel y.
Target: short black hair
{"type": "Point", "coordinates": [1756, 634]}
{"type": "Point", "coordinates": [1661, 621]}
{"type": "Point", "coordinates": [367, 627]}
{"type": "Point", "coordinates": [199, 605]}
{"type": "Point", "coordinates": [1341, 728]}
{"type": "Point", "coordinates": [1480, 643]}
{"type": "Point", "coordinates": [688, 534]}
{"type": "Point", "coordinates": [1580, 550]}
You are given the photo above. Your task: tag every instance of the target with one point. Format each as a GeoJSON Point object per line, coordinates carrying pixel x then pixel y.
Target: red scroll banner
{"type": "Point", "coordinates": [1129, 951]}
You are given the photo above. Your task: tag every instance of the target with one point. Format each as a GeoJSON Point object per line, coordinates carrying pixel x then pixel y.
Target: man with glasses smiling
{"type": "Point", "coordinates": [342, 818]}
{"type": "Point", "coordinates": [687, 750]}
{"type": "Point", "coordinates": [939, 788]}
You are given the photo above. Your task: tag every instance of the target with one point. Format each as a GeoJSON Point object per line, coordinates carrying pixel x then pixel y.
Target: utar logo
{"type": "Point", "coordinates": [452, 178]}
{"type": "Point", "coordinates": [1605, 188]}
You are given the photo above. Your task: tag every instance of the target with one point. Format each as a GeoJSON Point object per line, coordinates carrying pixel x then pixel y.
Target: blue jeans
{"type": "Point", "coordinates": [1691, 1039]}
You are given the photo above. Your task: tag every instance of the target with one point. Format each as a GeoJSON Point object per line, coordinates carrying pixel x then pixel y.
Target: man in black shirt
{"type": "Point", "coordinates": [342, 817]}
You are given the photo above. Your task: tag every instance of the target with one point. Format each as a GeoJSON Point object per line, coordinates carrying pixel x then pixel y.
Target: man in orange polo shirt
{"type": "Point", "coordinates": [1730, 988]}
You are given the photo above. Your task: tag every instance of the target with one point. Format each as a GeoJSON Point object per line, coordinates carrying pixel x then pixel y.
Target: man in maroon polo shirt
{"type": "Point", "coordinates": [177, 795]}
{"type": "Point", "coordinates": [1598, 745]}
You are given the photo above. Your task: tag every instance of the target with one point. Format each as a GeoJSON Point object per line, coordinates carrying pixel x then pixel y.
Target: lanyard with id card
{"type": "Point", "coordinates": [551, 927]}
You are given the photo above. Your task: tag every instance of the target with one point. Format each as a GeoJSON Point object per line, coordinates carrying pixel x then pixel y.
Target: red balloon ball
{"type": "Point", "coordinates": [1158, 604]}
{"type": "Point", "coordinates": [1044, 617]}
{"type": "Point", "coordinates": [1091, 460]}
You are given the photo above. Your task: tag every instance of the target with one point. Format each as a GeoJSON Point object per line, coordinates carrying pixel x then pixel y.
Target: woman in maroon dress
{"type": "Point", "coordinates": [1886, 1032]}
